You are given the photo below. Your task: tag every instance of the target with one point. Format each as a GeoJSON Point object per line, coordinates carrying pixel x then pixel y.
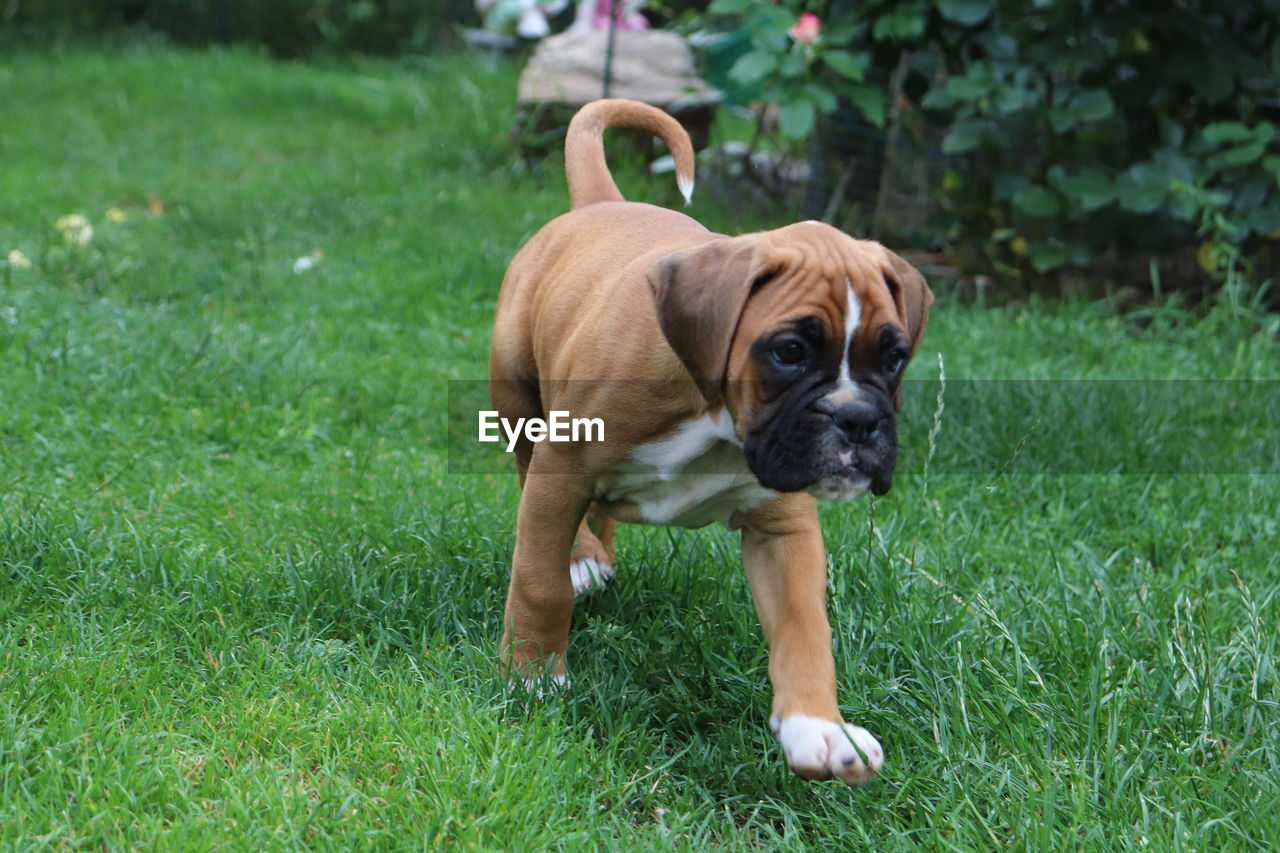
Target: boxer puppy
{"type": "Point", "coordinates": [738, 379]}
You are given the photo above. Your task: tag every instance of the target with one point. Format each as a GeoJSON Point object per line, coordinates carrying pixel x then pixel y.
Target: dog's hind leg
{"type": "Point", "coordinates": [540, 598]}
{"type": "Point", "coordinates": [592, 559]}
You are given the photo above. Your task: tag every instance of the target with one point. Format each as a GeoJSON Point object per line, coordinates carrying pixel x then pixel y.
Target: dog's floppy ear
{"type": "Point", "coordinates": [699, 295]}
{"type": "Point", "coordinates": [913, 297]}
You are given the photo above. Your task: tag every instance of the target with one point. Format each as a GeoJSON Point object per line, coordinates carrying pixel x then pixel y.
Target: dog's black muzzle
{"type": "Point", "coordinates": [824, 439]}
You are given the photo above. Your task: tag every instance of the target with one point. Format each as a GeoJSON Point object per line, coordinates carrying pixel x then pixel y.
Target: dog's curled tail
{"type": "Point", "coordinates": [589, 178]}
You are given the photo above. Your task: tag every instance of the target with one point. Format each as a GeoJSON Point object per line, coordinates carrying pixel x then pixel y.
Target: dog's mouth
{"type": "Point", "coordinates": [853, 478]}
{"type": "Point", "coordinates": [823, 465]}
{"type": "Point", "coordinates": [833, 452]}
{"type": "Point", "coordinates": [844, 485]}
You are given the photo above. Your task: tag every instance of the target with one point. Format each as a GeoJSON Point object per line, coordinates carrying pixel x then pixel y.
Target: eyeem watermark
{"type": "Point", "coordinates": [559, 426]}
{"type": "Point", "coordinates": [988, 428]}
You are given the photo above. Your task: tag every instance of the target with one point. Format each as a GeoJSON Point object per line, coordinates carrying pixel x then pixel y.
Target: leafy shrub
{"type": "Point", "coordinates": [285, 27]}
{"type": "Point", "coordinates": [1075, 130]}
{"type": "Point", "coordinates": [801, 75]}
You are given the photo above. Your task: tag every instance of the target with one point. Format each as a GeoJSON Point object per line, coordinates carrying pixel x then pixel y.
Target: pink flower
{"type": "Point", "coordinates": [807, 29]}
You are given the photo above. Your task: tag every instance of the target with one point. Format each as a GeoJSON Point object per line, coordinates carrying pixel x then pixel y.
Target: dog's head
{"type": "Point", "coordinates": [803, 333]}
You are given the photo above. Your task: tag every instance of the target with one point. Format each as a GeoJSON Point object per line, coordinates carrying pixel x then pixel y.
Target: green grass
{"type": "Point", "coordinates": [243, 604]}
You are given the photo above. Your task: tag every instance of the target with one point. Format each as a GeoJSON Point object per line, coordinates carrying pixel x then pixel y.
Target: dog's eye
{"type": "Point", "coordinates": [893, 361]}
{"type": "Point", "coordinates": [790, 352]}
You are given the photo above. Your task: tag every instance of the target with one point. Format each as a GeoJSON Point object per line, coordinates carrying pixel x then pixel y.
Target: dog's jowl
{"type": "Point", "coordinates": [738, 380]}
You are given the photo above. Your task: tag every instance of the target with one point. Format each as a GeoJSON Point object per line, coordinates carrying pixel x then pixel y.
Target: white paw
{"type": "Point", "coordinates": [544, 687]}
{"type": "Point", "coordinates": [589, 575]}
{"type": "Point", "coordinates": [819, 749]}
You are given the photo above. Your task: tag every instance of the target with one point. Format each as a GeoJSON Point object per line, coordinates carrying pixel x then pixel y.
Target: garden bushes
{"type": "Point", "coordinates": [1075, 131]}
{"type": "Point", "coordinates": [1076, 135]}
{"type": "Point", "coordinates": [285, 27]}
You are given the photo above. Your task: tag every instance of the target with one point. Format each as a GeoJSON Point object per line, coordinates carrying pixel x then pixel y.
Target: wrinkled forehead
{"type": "Point", "coordinates": [827, 274]}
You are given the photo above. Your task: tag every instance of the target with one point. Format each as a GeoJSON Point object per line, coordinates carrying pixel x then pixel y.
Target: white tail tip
{"type": "Point", "coordinates": [685, 185]}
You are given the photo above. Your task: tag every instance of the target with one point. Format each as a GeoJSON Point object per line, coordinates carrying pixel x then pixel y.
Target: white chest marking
{"type": "Point", "coordinates": [695, 476]}
{"type": "Point", "coordinates": [852, 314]}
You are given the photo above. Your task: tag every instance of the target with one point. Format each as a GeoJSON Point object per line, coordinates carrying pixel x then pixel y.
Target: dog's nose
{"type": "Point", "coordinates": [859, 421]}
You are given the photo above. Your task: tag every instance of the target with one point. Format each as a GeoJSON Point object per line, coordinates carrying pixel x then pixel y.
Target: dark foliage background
{"type": "Point", "coordinates": [288, 28]}
{"type": "Point", "coordinates": [1128, 141]}
{"type": "Point", "coordinates": [1077, 135]}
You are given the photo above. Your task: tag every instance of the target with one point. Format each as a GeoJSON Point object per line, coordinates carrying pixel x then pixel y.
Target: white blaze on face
{"type": "Point", "coordinates": [852, 314]}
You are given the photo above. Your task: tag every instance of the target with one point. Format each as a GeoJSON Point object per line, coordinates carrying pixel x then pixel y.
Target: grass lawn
{"type": "Point", "coordinates": [244, 604]}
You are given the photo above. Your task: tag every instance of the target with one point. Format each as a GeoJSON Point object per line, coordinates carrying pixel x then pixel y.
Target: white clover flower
{"type": "Point", "coordinates": [18, 260]}
{"type": "Point", "coordinates": [307, 262]}
{"type": "Point", "coordinates": [75, 229]}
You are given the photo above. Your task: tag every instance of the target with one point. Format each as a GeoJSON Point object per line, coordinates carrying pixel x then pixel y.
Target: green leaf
{"type": "Point", "coordinates": [1046, 256]}
{"type": "Point", "coordinates": [1226, 131]}
{"type": "Point", "coordinates": [870, 101]}
{"type": "Point", "coordinates": [1245, 154]}
{"type": "Point", "coordinates": [1005, 184]}
{"type": "Point", "coordinates": [967, 89]}
{"type": "Point", "coordinates": [1211, 78]}
{"type": "Point", "coordinates": [823, 98]}
{"type": "Point", "coordinates": [1083, 108]}
{"type": "Point", "coordinates": [904, 22]}
{"type": "Point", "coordinates": [966, 13]}
{"type": "Point", "coordinates": [938, 98]}
{"type": "Point", "coordinates": [1061, 119]}
{"type": "Point", "coordinates": [792, 66]}
{"type": "Point", "coordinates": [1014, 97]}
{"type": "Point", "coordinates": [852, 66]}
{"type": "Point", "coordinates": [1265, 219]}
{"type": "Point", "coordinates": [1252, 194]}
{"type": "Point", "coordinates": [773, 38]}
{"type": "Point", "coordinates": [1272, 164]}
{"type": "Point", "coordinates": [753, 67]}
{"type": "Point", "coordinates": [773, 16]}
{"type": "Point", "coordinates": [1183, 206]}
{"type": "Point", "coordinates": [964, 136]}
{"type": "Point", "coordinates": [1171, 132]}
{"type": "Point", "coordinates": [1093, 105]}
{"type": "Point", "coordinates": [1036, 202]}
{"type": "Point", "coordinates": [1173, 166]}
{"type": "Point", "coordinates": [1001, 46]}
{"type": "Point", "coordinates": [730, 7]}
{"type": "Point", "coordinates": [1142, 188]}
{"type": "Point", "coordinates": [362, 11]}
{"type": "Point", "coordinates": [1086, 190]}
{"type": "Point", "coordinates": [795, 118]}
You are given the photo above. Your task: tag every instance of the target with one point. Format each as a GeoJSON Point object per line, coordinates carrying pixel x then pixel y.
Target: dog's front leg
{"type": "Point", "coordinates": [786, 565]}
{"type": "Point", "coordinates": [540, 598]}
